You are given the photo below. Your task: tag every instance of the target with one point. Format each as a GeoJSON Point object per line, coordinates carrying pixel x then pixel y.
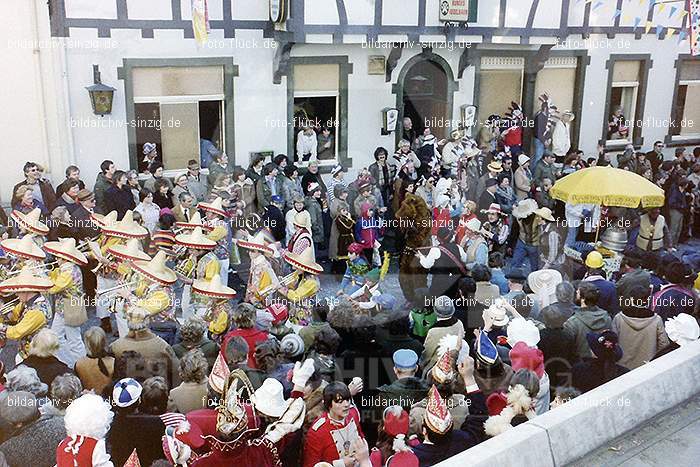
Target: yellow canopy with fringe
{"type": "Point", "coordinates": [608, 186]}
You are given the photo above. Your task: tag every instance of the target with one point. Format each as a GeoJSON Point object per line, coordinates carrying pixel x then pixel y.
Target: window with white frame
{"type": "Point", "coordinates": [622, 110]}
{"type": "Point", "coordinates": [180, 110]}
{"type": "Point", "coordinates": [501, 82]}
{"type": "Point", "coordinates": [316, 113]}
{"type": "Point", "coordinates": [686, 118]}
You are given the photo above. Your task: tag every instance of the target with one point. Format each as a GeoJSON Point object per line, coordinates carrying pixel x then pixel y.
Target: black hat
{"type": "Point", "coordinates": [516, 274]}
{"type": "Point", "coordinates": [444, 234]}
{"type": "Point", "coordinates": [491, 182]}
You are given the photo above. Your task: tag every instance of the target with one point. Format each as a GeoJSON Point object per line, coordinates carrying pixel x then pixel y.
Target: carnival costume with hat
{"type": "Point", "coordinates": [69, 304]}
{"type": "Point", "coordinates": [87, 422]}
{"type": "Point", "coordinates": [452, 153]}
{"type": "Point", "coordinates": [22, 253]}
{"type": "Point", "coordinates": [153, 295]}
{"type": "Point", "coordinates": [302, 286]}
{"type": "Point", "coordinates": [220, 233]}
{"type": "Point", "coordinates": [496, 232]}
{"type": "Point", "coordinates": [302, 239]}
{"type": "Point", "coordinates": [28, 317]}
{"type": "Point", "coordinates": [217, 298]}
{"type": "Point", "coordinates": [368, 232]}
{"type": "Point", "coordinates": [262, 279]}
{"type": "Point", "coordinates": [30, 224]}
{"type": "Point", "coordinates": [113, 234]}
{"type": "Point", "coordinates": [233, 433]}
{"type": "Point", "coordinates": [357, 267]}
{"type": "Point", "coordinates": [330, 440]}
{"type": "Point", "coordinates": [442, 214]}
{"type": "Point", "coordinates": [200, 263]}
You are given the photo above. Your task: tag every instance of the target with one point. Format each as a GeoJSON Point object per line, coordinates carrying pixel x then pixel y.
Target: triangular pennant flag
{"type": "Point", "coordinates": [637, 20]}
{"type": "Point", "coordinates": [662, 7]}
{"type": "Point", "coordinates": [659, 30]}
{"type": "Point", "coordinates": [681, 36]}
{"type": "Point", "coordinates": [670, 32]}
{"type": "Point", "coordinates": [648, 27]}
{"type": "Point", "coordinates": [597, 5]}
{"type": "Point", "coordinates": [672, 11]}
{"type": "Point", "coordinates": [617, 13]}
{"type": "Point", "coordinates": [133, 460]}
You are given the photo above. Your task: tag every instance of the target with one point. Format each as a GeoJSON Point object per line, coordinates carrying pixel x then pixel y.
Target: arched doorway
{"type": "Point", "coordinates": [424, 93]}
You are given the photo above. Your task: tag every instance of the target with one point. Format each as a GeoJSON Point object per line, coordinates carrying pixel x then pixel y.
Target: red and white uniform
{"type": "Point", "coordinates": [329, 441]}
{"type": "Point", "coordinates": [82, 451]}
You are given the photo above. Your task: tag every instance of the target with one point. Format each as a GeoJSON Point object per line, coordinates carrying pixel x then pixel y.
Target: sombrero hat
{"type": "Point", "coordinates": [545, 213]}
{"type": "Point", "coordinates": [193, 223]}
{"type": "Point", "coordinates": [26, 281]}
{"type": "Point", "coordinates": [65, 248]}
{"type": "Point", "coordinates": [24, 247]}
{"type": "Point", "coordinates": [132, 251]}
{"type": "Point", "coordinates": [156, 270]}
{"type": "Point", "coordinates": [104, 221]}
{"type": "Point", "coordinates": [257, 243]}
{"type": "Point", "coordinates": [304, 261]}
{"type": "Point", "coordinates": [494, 208]}
{"type": "Point", "coordinates": [303, 219]}
{"type": "Point", "coordinates": [525, 208]}
{"type": "Point", "coordinates": [30, 221]}
{"type": "Point", "coordinates": [213, 288]}
{"type": "Point", "coordinates": [126, 228]}
{"type": "Point", "coordinates": [216, 206]}
{"type": "Point", "coordinates": [195, 239]}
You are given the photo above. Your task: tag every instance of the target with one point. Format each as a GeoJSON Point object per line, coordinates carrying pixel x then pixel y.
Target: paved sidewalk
{"type": "Point", "coordinates": [668, 439]}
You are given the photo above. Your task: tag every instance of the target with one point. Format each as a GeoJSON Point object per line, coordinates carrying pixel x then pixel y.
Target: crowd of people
{"type": "Point", "coordinates": [252, 317]}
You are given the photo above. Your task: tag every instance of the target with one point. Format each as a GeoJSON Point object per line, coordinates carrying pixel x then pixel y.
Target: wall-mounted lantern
{"type": "Point", "coordinates": [101, 95]}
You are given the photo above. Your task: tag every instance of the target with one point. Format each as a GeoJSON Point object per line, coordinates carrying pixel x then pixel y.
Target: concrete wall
{"type": "Point", "coordinates": [569, 432]}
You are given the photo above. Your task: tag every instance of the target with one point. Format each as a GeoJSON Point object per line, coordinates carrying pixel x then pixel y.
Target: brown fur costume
{"type": "Point", "coordinates": [414, 221]}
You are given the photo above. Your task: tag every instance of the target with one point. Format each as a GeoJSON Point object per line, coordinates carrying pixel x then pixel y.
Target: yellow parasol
{"type": "Point", "coordinates": [608, 186]}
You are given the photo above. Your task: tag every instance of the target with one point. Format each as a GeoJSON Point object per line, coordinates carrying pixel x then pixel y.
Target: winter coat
{"type": "Point", "coordinates": [585, 320]}
{"type": "Point", "coordinates": [316, 212]}
{"type": "Point", "coordinates": [558, 347]}
{"type": "Point", "coordinates": [35, 444]}
{"type": "Point", "coordinates": [590, 374]}
{"type": "Point", "coordinates": [640, 337]}
{"type": "Point", "coordinates": [430, 347]}
{"type": "Point", "coordinates": [119, 200]}
{"type": "Point", "coordinates": [101, 185]}
{"type": "Point", "coordinates": [522, 182]}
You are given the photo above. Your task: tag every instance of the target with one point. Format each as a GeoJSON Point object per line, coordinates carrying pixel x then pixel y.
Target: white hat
{"type": "Point", "coordinates": [126, 392]}
{"type": "Point", "coordinates": [269, 398]}
{"type": "Point", "coordinates": [682, 329]}
{"type": "Point", "coordinates": [521, 330]}
{"type": "Point", "coordinates": [523, 159]}
{"type": "Point", "coordinates": [544, 279]}
{"type": "Point", "coordinates": [148, 148]}
{"type": "Point", "coordinates": [336, 169]}
{"type": "Point", "coordinates": [292, 345]}
{"type": "Point", "coordinates": [473, 224]}
{"type": "Point", "coordinates": [525, 208]}
{"type": "Point", "coordinates": [498, 313]}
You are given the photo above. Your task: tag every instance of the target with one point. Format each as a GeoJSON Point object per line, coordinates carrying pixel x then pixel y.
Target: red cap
{"type": "Point", "coordinates": [279, 312]}
{"type": "Point", "coordinates": [395, 425]}
{"type": "Point", "coordinates": [496, 402]}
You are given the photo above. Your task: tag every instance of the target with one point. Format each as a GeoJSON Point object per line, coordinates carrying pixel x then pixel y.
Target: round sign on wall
{"type": "Point", "coordinates": [278, 11]}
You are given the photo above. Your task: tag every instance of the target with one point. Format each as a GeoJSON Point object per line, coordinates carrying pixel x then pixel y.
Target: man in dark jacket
{"type": "Point", "coordinates": [594, 372]}
{"type": "Point", "coordinates": [677, 296]}
{"type": "Point", "coordinates": [656, 156]}
{"type": "Point", "coordinates": [608, 293]}
{"type": "Point", "coordinates": [406, 390]}
{"type": "Point", "coordinates": [587, 318]}
{"type": "Point", "coordinates": [557, 345]}
{"type": "Point", "coordinates": [103, 182]}
{"type": "Point", "coordinates": [42, 188]}
{"type": "Point", "coordinates": [272, 217]}
{"type": "Point", "coordinates": [72, 173]}
{"type": "Point", "coordinates": [313, 176]}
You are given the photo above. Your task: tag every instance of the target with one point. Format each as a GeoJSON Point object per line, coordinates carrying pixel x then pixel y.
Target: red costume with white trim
{"type": "Point", "coordinates": [328, 440]}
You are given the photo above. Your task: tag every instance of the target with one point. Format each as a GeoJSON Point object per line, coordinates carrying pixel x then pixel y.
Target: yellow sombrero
{"type": "Point", "coordinates": [304, 261]}
{"type": "Point", "coordinates": [104, 221]}
{"type": "Point", "coordinates": [156, 270]}
{"type": "Point", "coordinates": [126, 228]}
{"type": "Point", "coordinates": [213, 288]}
{"type": "Point", "coordinates": [24, 247]}
{"type": "Point", "coordinates": [31, 221]}
{"type": "Point", "coordinates": [257, 243]}
{"type": "Point", "coordinates": [65, 248]}
{"type": "Point", "coordinates": [216, 206]}
{"type": "Point", "coordinates": [132, 251]}
{"type": "Point", "coordinates": [195, 240]}
{"type": "Point", "coordinates": [195, 222]}
{"type": "Point", "coordinates": [26, 281]}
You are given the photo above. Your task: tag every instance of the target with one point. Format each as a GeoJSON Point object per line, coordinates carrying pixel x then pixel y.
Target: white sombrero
{"type": "Point", "coordinates": [193, 223]}
{"type": "Point", "coordinates": [196, 240]}
{"type": "Point", "coordinates": [544, 279]}
{"type": "Point", "coordinates": [31, 221]}
{"type": "Point", "coordinates": [216, 206]}
{"type": "Point", "coordinates": [65, 248]}
{"type": "Point", "coordinates": [156, 270]}
{"type": "Point", "coordinates": [24, 247]}
{"type": "Point", "coordinates": [304, 261]}
{"type": "Point", "coordinates": [213, 288]}
{"type": "Point", "coordinates": [26, 281]}
{"type": "Point", "coordinates": [303, 219]}
{"type": "Point", "coordinates": [525, 208]}
{"type": "Point", "coordinates": [132, 251]}
{"type": "Point", "coordinates": [104, 221]}
{"type": "Point", "coordinates": [257, 243]}
{"type": "Point", "coordinates": [126, 228]}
